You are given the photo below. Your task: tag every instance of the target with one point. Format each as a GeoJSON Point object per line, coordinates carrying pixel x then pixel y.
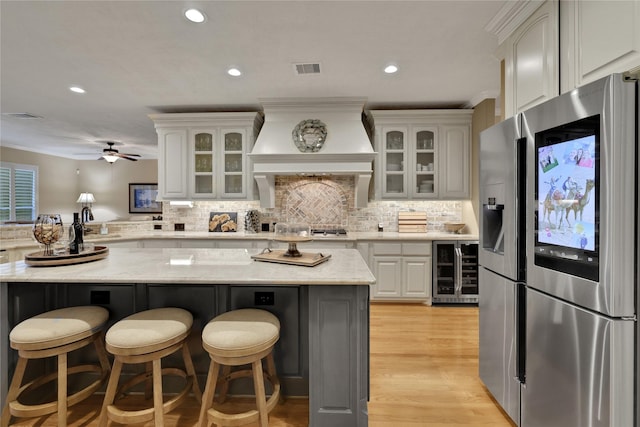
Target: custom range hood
{"type": "Point", "coordinates": [312, 137]}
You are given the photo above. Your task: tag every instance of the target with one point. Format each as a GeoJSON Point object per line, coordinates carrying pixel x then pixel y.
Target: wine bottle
{"type": "Point", "coordinates": [77, 245]}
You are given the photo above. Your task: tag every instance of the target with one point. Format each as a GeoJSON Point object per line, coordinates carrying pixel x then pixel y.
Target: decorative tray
{"type": "Point", "coordinates": [37, 259]}
{"type": "Point", "coordinates": [305, 259]}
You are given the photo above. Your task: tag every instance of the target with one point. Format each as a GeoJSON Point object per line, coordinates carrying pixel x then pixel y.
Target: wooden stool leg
{"type": "Point", "coordinates": [148, 385]}
{"type": "Point", "coordinates": [12, 394]}
{"type": "Point", "coordinates": [62, 390]}
{"type": "Point", "coordinates": [209, 391]}
{"type": "Point", "coordinates": [224, 383]}
{"type": "Point", "coordinates": [102, 353]}
{"type": "Point", "coordinates": [271, 369]}
{"type": "Point", "coordinates": [191, 371]}
{"type": "Point", "coordinates": [157, 394]}
{"type": "Point", "coordinates": [110, 393]}
{"type": "Point", "coordinates": [261, 400]}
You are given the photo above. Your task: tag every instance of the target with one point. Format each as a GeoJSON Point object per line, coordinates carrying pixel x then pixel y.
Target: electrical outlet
{"type": "Point", "coordinates": [264, 298]}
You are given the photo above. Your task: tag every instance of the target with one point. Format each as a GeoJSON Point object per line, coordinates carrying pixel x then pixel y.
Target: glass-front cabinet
{"type": "Point", "coordinates": [204, 156]}
{"type": "Point", "coordinates": [204, 160]}
{"type": "Point", "coordinates": [409, 162]}
{"type": "Point", "coordinates": [424, 173]}
{"type": "Point", "coordinates": [394, 161]}
{"type": "Point", "coordinates": [234, 155]}
{"type": "Point", "coordinates": [423, 154]}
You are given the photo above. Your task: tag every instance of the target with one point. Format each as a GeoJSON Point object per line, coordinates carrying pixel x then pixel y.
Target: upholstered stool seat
{"type": "Point", "coordinates": [236, 338]}
{"type": "Point", "coordinates": [55, 334]}
{"type": "Point", "coordinates": [146, 337]}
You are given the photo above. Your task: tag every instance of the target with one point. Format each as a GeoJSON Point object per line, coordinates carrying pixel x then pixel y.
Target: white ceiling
{"type": "Point", "coordinates": [136, 58]}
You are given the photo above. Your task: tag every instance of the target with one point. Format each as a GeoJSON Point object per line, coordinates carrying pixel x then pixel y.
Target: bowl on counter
{"type": "Point", "coordinates": [454, 227]}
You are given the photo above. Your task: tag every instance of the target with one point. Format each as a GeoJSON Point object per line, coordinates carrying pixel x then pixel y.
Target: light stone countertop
{"type": "Point", "coordinates": [196, 266]}
{"type": "Point", "coordinates": [355, 236]}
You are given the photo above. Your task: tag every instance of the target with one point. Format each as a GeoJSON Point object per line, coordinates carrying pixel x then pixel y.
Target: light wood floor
{"type": "Point", "coordinates": [424, 372]}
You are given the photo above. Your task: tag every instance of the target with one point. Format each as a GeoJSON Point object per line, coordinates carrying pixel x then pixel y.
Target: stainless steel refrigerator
{"type": "Point", "coordinates": [575, 340]}
{"type": "Point", "coordinates": [502, 262]}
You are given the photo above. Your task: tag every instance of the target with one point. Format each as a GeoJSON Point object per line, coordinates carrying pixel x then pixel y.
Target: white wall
{"type": "Point", "coordinates": [62, 180]}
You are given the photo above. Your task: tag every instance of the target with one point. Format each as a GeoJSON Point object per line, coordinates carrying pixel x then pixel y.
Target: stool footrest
{"type": "Point", "coordinates": [18, 409]}
{"type": "Point", "coordinates": [218, 417]}
{"type": "Point", "coordinates": [250, 416]}
{"type": "Point", "coordinates": [138, 416]}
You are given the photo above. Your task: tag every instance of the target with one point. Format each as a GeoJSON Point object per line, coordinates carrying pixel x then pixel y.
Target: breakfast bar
{"type": "Point", "coordinates": [323, 352]}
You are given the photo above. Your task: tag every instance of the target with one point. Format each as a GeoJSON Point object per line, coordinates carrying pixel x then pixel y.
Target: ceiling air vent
{"type": "Point", "coordinates": [307, 68]}
{"type": "Point", "coordinates": [22, 115]}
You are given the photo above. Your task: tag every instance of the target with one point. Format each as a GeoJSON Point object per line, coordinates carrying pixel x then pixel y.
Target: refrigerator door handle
{"type": "Point", "coordinates": [520, 307]}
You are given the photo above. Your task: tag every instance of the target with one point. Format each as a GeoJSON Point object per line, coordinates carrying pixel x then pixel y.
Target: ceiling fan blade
{"type": "Point", "coordinates": [129, 154]}
{"type": "Point", "coordinates": [124, 156]}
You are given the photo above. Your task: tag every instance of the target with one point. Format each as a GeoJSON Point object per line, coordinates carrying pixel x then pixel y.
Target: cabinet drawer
{"type": "Point", "coordinates": [423, 249]}
{"type": "Point", "coordinates": [387, 248]}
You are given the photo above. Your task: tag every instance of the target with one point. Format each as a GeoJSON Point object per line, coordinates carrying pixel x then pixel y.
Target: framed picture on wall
{"type": "Point", "coordinates": [142, 198]}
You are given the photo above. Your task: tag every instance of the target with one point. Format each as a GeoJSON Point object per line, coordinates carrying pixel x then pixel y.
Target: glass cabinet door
{"type": "Point", "coordinates": [394, 146]}
{"type": "Point", "coordinates": [424, 170]}
{"type": "Point", "coordinates": [233, 157]}
{"type": "Point", "coordinates": [203, 164]}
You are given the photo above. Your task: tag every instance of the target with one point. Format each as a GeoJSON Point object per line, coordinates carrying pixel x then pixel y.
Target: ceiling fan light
{"type": "Point", "coordinates": [109, 158]}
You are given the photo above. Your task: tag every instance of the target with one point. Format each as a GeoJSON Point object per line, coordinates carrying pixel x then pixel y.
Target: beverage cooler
{"type": "Point", "coordinates": [455, 272]}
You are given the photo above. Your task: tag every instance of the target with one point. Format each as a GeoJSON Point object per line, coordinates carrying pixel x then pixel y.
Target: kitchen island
{"type": "Point", "coordinates": [324, 348]}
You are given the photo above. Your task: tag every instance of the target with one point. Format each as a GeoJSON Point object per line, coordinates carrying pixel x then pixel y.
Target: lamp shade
{"type": "Point", "coordinates": [86, 198]}
{"type": "Point", "coordinates": [109, 158]}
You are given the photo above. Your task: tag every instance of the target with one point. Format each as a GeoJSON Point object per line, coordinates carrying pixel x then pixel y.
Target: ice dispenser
{"type": "Point", "coordinates": [492, 224]}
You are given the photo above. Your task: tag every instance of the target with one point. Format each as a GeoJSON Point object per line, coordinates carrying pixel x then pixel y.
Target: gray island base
{"type": "Point", "coordinates": [323, 352]}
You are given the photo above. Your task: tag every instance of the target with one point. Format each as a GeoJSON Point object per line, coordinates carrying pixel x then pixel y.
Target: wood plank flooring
{"type": "Point", "coordinates": [424, 372]}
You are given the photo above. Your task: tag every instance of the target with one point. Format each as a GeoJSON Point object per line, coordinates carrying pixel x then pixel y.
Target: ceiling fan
{"type": "Point", "coordinates": [110, 154]}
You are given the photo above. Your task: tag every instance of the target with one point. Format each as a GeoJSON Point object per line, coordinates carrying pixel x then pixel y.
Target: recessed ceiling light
{"type": "Point", "coordinates": [390, 69]}
{"type": "Point", "coordinates": [77, 89]}
{"type": "Point", "coordinates": [194, 15]}
{"type": "Point", "coordinates": [234, 72]}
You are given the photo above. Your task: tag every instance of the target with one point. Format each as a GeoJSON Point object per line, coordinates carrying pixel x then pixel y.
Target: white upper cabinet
{"type": "Point", "coordinates": [531, 61]}
{"type": "Point", "coordinates": [203, 156]}
{"type": "Point", "coordinates": [454, 157]}
{"type": "Point", "coordinates": [553, 46]}
{"type": "Point", "coordinates": [598, 38]}
{"type": "Point", "coordinates": [423, 154]}
{"type": "Point", "coordinates": [172, 163]}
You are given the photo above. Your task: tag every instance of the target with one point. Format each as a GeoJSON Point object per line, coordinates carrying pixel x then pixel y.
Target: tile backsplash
{"type": "Point", "coordinates": [320, 202]}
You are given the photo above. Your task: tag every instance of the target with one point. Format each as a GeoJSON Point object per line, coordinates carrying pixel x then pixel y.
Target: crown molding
{"type": "Point", "coordinates": [512, 14]}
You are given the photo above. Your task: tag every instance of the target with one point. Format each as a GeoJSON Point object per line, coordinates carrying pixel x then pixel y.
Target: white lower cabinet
{"type": "Point", "coordinates": [402, 271]}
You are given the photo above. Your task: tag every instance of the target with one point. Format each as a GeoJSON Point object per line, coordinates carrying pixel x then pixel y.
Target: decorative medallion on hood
{"type": "Point", "coordinates": [309, 135]}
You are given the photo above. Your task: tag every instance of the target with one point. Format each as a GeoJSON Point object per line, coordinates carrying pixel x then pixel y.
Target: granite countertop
{"type": "Point", "coordinates": [196, 266]}
{"type": "Point", "coordinates": [354, 236]}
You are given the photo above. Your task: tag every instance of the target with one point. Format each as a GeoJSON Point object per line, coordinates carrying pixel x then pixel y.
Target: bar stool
{"type": "Point", "coordinates": [146, 337]}
{"type": "Point", "coordinates": [55, 334]}
{"type": "Point", "coordinates": [238, 338]}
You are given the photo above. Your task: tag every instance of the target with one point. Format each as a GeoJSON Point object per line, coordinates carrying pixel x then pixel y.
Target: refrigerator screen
{"type": "Point", "coordinates": [566, 237]}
